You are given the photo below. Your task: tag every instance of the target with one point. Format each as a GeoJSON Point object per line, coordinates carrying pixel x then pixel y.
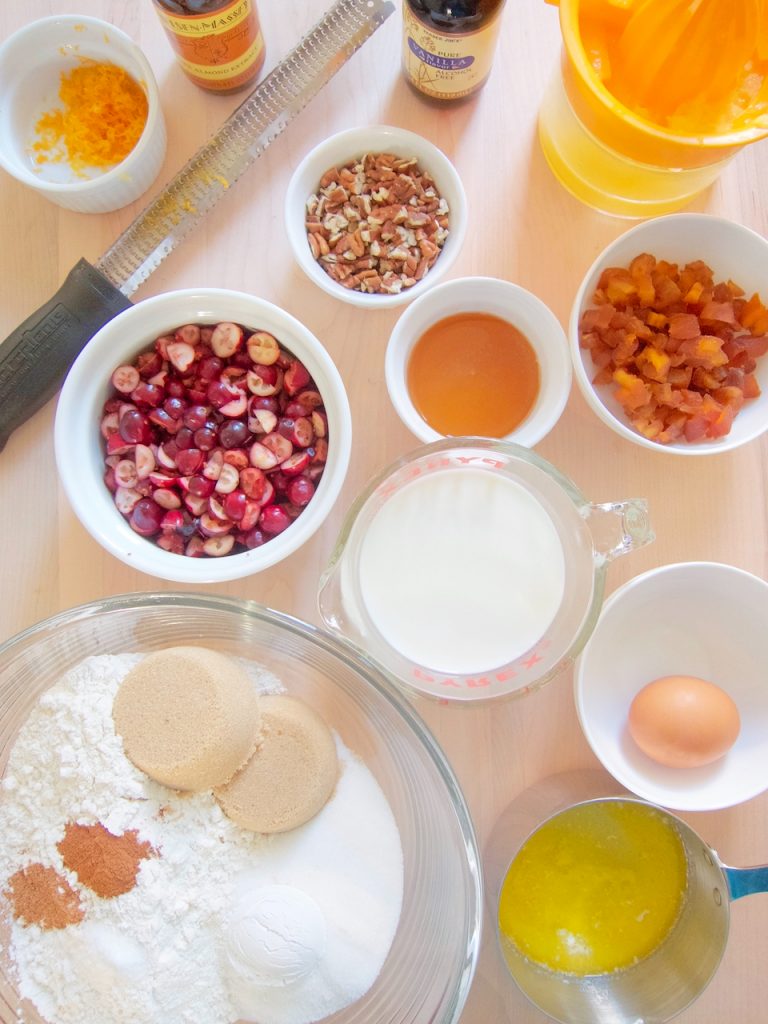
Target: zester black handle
{"type": "Point", "coordinates": [35, 358]}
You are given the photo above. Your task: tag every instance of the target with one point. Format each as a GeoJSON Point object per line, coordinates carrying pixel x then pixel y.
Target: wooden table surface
{"type": "Point", "coordinates": [524, 227]}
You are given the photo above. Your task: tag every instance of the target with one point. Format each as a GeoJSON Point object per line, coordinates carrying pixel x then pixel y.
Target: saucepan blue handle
{"type": "Point", "coordinates": [745, 881]}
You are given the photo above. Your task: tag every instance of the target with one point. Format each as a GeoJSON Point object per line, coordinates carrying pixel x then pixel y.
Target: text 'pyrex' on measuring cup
{"type": "Point", "coordinates": [652, 98]}
{"type": "Point", "coordinates": [473, 569]}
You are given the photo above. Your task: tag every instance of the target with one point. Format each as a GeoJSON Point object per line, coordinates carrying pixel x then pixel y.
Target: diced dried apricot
{"type": "Point", "coordinates": [679, 348]}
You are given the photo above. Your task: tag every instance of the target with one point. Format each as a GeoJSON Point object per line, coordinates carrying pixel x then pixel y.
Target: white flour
{"type": "Point", "coordinates": [155, 955]}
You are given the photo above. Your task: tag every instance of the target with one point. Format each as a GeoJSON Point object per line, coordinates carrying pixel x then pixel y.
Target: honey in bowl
{"type": "Point", "coordinates": [595, 889]}
{"type": "Point", "coordinates": [473, 374]}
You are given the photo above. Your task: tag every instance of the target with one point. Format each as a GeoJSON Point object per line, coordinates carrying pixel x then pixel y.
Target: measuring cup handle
{"type": "Point", "coordinates": [746, 881]}
{"type": "Point", "coordinates": [618, 527]}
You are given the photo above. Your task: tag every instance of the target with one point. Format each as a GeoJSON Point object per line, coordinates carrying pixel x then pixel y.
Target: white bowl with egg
{"type": "Point", "coordinates": [32, 62]}
{"type": "Point", "coordinates": [350, 145]}
{"type": "Point", "coordinates": [496, 298]}
{"type": "Point", "coordinates": [700, 619]}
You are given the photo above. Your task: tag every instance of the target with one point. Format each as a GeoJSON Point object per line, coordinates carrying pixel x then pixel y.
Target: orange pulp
{"type": "Point", "coordinates": [690, 67]}
{"type": "Point", "coordinates": [473, 374]}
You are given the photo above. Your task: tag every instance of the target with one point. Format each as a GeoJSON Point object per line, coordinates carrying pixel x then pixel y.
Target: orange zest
{"type": "Point", "coordinates": [101, 119]}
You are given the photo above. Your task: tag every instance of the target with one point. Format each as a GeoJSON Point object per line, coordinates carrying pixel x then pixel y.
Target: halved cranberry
{"type": "Point", "coordinates": [134, 427]}
{"type": "Point", "coordinates": [262, 421]}
{"type": "Point", "coordinates": [233, 434]}
{"type": "Point", "coordinates": [253, 539]}
{"type": "Point", "coordinates": [219, 394]}
{"type": "Point", "coordinates": [210, 526]}
{"type": "Point", "coordinates": [310, 399]}
{"type": "Point", "coordinates": [209, 368]}
{"type": "Point", "coordinates": [189, 461]}
{"type": "Point", "coordinates": [149, 364]}
{"type": "Point", "coordinates": [189, 333]}
{"type": "Point", "coordinates": [252, 482]}
{"type": "Point", "coordinates": [109, 425]}
{"type": "Point", "coordinates": [261, 457]}
{"type": "Point", "coordinates": [172, 520]}
{"type": "Point", "coordinates": [166, 498]}
{"type": "Point", "coordinates": [196, 503]}
{"type": "Point", "coordinates": [117, 446]}
{"type": "Point", "coordinates": [213, 464]}
{"type": "Point", "coordinates": [273, 519]}
{"type": "Point", "coordinates": [236, 407]}
{"type": "Point", "coordinates": [235, 505]}
{"type": "Point", "coordinates": [298, 431]}
{"type": "Point", "coordinates": [263, 348]}
{"type": "Point", "coordinates": [194, 548]}
{"type": "Point", "coordinates": [228, 480]}
{"type": "Point", "coordinates": [216, 509]}
{"type": "Point", "coordinates": [264, 381]}
{"type": "Point", "coordinates": [200, 486]}
{"type": "Point", "coordinates": [295, 464]}
{"type": "Point", "coordinates": [145, 461]}
{"type": "Point", "coordinates": [125, 379]}
{"type": "Point", "coordinates": [300, 491]}
{"type": "Point", "coordinates": [174, 407]}
{"type": "Point", "coordinates": [320, 450]}
{"type": "Point", "coordinates": [319, 423]}
{"type": "Point", "coordinates": [206, 438]}
{"type": "Point", "coordinates": [181, 355]}
{"type": "Point", "coordinates": [218, 546]}
{"type": "Point", "coordinates": [226, 339]}
{"type": "Point", "coordinates": [250, 515]}
{"type": "Point", "coordinates": [237, 457]}
{"type": "Point", "coordinates": [146, 517]}
{"type": "Point", "coordinates": [148, 394]}
{"type": "Point", "coordinates": [125, 473]}
{"type": "Point", "coordinates": [296, 377]}
{"type": "Point", "coordinates": [196, 416]}
{"type": "Point", "coordinates": [280, 446]}
{"type": "Point", "coordinates": [185, 439]}
{"type": "Point", "coordinates": [160, 418]}
{"type": "Point", "coordinates": [172, 542]}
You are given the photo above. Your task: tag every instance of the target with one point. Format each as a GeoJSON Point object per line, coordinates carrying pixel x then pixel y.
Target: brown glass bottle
{"type": "Point", "coordinates": [448, 45]}
{"type": "Point", "coordinates": [218, 43]}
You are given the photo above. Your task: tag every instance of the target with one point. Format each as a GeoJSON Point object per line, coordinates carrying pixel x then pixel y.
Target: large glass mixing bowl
{"type": "Point", "coordinates": [427, 974]}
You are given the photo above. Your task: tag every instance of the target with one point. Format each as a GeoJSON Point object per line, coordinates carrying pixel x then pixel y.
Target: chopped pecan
{"type": "Point", "coordinates": [377, 224]}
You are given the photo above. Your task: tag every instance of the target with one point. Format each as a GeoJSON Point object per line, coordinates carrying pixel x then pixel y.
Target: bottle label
{"type": "Point", "coordinates": [446, 66]}
{"type": "Point", "coordinates": [220, 50]}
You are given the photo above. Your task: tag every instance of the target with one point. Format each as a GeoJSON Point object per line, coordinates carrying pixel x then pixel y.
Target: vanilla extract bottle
{"type": "Point", "coordinates": [448, 45]}
{"type": "Point", "coordinates": [218, 43]}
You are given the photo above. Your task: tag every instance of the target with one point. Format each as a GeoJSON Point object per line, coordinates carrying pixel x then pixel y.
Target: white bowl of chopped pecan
{"type": "Point", "coordinates": [375, 215]}
{"type": "Point", "coordinates": [203, 435]}
{"type": "Point", "coordinates": [669, 335]}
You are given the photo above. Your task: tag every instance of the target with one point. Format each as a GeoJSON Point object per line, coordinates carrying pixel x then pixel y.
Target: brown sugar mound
{"type": "Point", "coordinates": [40, 895]}
{"type": "Point", "coordinates": [188, 717]}
{"type": "Point", "coordinates": [105, 863]}
{"type": "Point", "coordinates": [291, 775]}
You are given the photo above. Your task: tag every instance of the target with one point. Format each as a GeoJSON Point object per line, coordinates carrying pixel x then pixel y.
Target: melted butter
{"type": "Point", "coordinates": [595, 889]}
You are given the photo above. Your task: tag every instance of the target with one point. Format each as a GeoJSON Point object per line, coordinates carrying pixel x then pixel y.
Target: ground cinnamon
{"type": "Point", "coordinates": [40, 895]}
{"type": "Point", "coordinates": [105, 863]}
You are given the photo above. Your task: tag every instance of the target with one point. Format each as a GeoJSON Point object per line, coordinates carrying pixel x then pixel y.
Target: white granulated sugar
{"type": "Point", "coordinates": [156, 955]}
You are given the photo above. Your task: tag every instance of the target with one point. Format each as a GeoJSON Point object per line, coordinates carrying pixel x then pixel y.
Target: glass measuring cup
{"type": "Point", "coordinates": [506, 652]}
{"type": "Point", "coordinates": [609, 156]}
{"type": "Point", "coordinates": [660, 986]}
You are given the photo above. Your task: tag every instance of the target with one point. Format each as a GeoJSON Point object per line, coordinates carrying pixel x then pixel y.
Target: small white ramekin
{"type": "Point", "coordinates": [31, 63]}
{"type": "Point", "coordinates": [349, 145]}
{"type": "Point", "coordinates": [499, 298]}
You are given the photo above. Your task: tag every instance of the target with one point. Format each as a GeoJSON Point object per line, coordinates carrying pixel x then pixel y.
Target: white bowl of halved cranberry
{"type": "Point", "coordinates": [203, 435]}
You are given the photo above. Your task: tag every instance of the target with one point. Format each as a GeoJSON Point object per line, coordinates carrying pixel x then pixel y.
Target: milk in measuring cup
{"type": "Point", "coordinates": [462, 572]}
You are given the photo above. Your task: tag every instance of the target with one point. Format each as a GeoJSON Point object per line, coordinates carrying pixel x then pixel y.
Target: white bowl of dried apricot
{"type": "Point", "coordinates": [669, 334]}
{"type": "Point", "coordinates": [375, 215]}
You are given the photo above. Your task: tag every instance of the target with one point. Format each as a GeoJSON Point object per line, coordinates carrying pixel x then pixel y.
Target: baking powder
{"type": "Point", "coordinates": [155, 955]}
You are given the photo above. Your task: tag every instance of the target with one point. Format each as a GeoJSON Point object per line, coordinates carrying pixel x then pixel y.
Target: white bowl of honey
{"type": "Point", "coordinates": [478, 357]}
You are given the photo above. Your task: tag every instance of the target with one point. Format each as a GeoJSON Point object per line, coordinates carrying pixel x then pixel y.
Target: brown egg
{"type": "Point", "coordinates": [683, 722]}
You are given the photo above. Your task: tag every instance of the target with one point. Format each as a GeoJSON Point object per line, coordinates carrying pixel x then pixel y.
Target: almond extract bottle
{"type": "Point", "coordinates": [218, 43]}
